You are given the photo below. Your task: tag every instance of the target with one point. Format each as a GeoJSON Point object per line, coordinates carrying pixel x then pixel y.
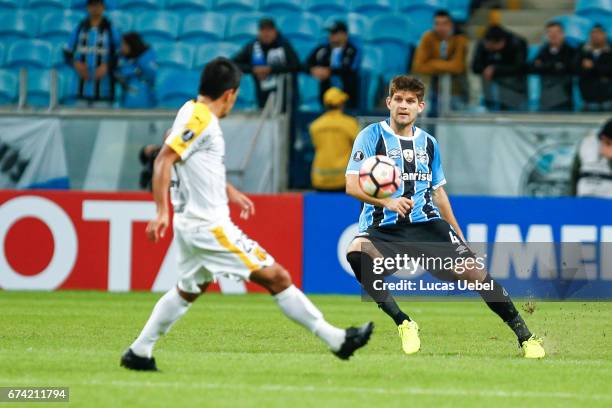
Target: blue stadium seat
{"type": "Point", "coordinates": [9, 87]}
{"type": "Point", "coordinates": [409, 6]}
{"type": "Point", "coordinates": [303, 47]}
{"type": "Point", "coordinates": [393, 35]}
{"type": "Point", "coordinates": [598, 11]}
{"type": "Point", "coordinates": [279, 7]}
{"type": "Point", "coordinates": [56, 26]}
{"type": "Point", "coordinates": [327, 8]}
{"type": "Point", "coordinates": [57, 58]}
{"type": "Point", "coordinates": [309, 93]}
{"type": "Point", "coordinates": [534, 91]}
{"type": "Point", "coordinates": [2, 54]}
{"type": "Point", "coordinates": [175, 55]}
{"type": "Point", "coordinates": [82, 4]}
{"type": "Point", "coordinates": [15, 26]}
{"type": "Point", "coordinates": [10, 5]}
{"type": "Point", "coordinates": [29, 54]}
{"type": "Point", "coordinates": [243, 27]}
{"type": "Point", "coordinates": [68, 83]}
{"type": "Point", "coordinates": [122, 21]}
{"type": "Point", "coordinates": [47, 5]}
{"type": "Point", "coordinates": [598, 5]}
{"type": "Point", "coordinates": [373, 7]}
{"type": "Point", "coordinates": [39, 87]}
{"type": "Point", "coordinates": [175, 87]}
{"type": "Point", "coordinates": [137, 6]}
{"type": "Point", "coordinates": [189, 6]}
{"type": "Point", "coordinates": [358, 25]}
{"type": "Point", "coordinates": [235, 6]}
{"type": "Point", "coordinates": [207, 52]}
{"type": "Point", "coordinates": [157, 27]}
{"type": "Point", "coordinates": [197, 28]}
{"type": "Point", "coordinates": [371, 70]}
{"type": "Point", "coordinates": [304, 26]}
{"type": "Point", "coordinates": [246, 96]}
{"type": "Point", "coordinates": [459, 9]}
{"type": "Point", "coordinates": [576, 28]}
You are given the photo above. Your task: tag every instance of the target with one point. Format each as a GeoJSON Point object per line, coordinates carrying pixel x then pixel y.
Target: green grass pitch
{"type": "Point", "coordinates": [239, 351]}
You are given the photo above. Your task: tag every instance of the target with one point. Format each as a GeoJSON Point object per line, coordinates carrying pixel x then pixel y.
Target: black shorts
{"type": "Point", "coordinates": [435, 242]}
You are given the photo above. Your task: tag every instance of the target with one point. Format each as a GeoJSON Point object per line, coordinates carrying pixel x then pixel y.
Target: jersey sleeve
{"type": "Point", "coordinates": [188, 129]}
{"type": "Point", "coordinates": [364, 147]}
{"type": "Point", "coordinates": [438, 179]}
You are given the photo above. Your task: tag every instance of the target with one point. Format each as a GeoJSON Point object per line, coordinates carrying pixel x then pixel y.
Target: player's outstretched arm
{"type": "Point", "coordinates": [401, 205]}
{"type": "Point", "coordinates": [161, 184]}
{"type": "Point", "coordinates": [440, 199]}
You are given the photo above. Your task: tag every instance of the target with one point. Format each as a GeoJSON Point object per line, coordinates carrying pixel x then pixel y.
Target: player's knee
{"type": "Point", "coordinates": [281, 278]}
{"type": "Point", "coordinates": [356, 245]}
{"type": "Point", "coordinates": [473, 274]}
{"type": "Point", "coordinates": [189, 297]}
{"type": "Point", "coordinates": [274, 278]}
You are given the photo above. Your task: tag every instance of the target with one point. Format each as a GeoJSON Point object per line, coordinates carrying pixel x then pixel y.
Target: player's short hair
{"type": "Point", "coordinates": [443, 13]}
{"type": "Point", "coordinates": [407, 83]}
{"type": "Point", "coordinates": [554, 24]}
{"type": "Point", "coordinates": [218, 76]}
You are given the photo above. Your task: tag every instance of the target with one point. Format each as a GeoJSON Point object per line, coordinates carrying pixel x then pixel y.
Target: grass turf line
{"type": "Point", "coordinates": [241, 351]}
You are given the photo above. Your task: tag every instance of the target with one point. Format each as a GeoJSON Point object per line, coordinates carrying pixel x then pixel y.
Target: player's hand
{"type": "Point", "coordinates": [247, 208]}
{"type": "Point", "coordinates": [262, 71]}
{"type": "Point", "coordinates": [401, 205]}
{"type": "Point", "coordinates": [488, 72]}
{"type": "Point", "coordinates": [81, 70]}
{"type": "Point", "coordinates": [101, 71]}
{"type": "Point", "coordinates": [156, 229]}
{"type": "Point", "coordinates": [587, 63]}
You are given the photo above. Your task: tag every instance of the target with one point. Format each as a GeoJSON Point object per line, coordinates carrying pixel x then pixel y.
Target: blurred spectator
{"type": "Point", "coordinates": [92, 50]}
{"type": "Point", "coordinates": [555, 64]}
{"type": "Point", "coordinates": [332, 134]}
{"type": "Point", "coordinates": [501, 60]}
{"type": "Point", "coordinates": [443, 51]}
{"type": "Point", "coordinates": [136, 72]}
{"type": "Point", "coordinates": [592, 169]}
{"type": "Point", "coordinates": [337, 64]}
{"type": "Point", "coordinates": [595, 70]}
{"type": "Point", "coordinates": [266, 57]}
{"type": "Point", "coordinates": [147, 156]}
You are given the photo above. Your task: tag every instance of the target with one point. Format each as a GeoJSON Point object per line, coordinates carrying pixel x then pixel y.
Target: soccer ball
{"type": "Point", "coordinates": [379, 176]}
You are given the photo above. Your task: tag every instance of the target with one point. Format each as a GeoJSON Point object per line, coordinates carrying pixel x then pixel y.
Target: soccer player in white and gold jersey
{"type": "Point", "coordinates": [209, 243]}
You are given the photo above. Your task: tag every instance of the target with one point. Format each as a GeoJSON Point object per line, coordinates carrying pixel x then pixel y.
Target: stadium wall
{"type": "Point", "coordinates": [78, 240]}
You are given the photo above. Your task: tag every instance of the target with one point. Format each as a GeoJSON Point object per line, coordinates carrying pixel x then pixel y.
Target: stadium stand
{"type": "Point", "coordinates": [56, 26]}
{"type": "Point", "coordinates": [246, 96]}
{"type": "Point", "coordinates": [46, 5]}
{"type": "Point", "coordinates": [157, 27]}
{"type": "Point", "coordinates": [137, 6]}
{"type": "Point", "coordinates": [327, 8]}
{"type": "Point", "coordinates": [29, 54]}
{"type": "Point", "coordinates": [9, 5]}
{"type": "Point", "coordinates": [207, 52]}
{"type": "Point", "coordinates": [278, 7]}
{"type": "Point", "coordinates": [17, 25]}
{"type": "Point", "coordinates": [373, 7]}
{"type": "Point", "coordinates": [39, 87]}
{"type": "Point", "coordinates": [243, 27]}
{"type": "Point", "coordinates": [233, 6]}
{"type": "Point", "coordinates": [175, 55]}
{"type": "Point", "coordinates": [199, 28]}
{"type": "Point", "coordinates": [123, 21]}
{"type": "Point", "coordinates": [8, 87]}
{"type": "Point", "coordinates": [189, 6]}
{"type": "Point", "coordinates": [309, 93]}
{"type": "Point", "coordinates": [576, 28]}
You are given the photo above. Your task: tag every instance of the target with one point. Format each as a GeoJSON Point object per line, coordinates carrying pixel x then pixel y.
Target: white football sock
{"type": "Point", "coordinates": [296, 306]}
{"type": "Point", "coordinates": [168, 310]}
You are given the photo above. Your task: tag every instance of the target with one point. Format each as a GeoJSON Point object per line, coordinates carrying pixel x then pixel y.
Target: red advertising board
{"type": "Point", "coordinates": [79, 240]}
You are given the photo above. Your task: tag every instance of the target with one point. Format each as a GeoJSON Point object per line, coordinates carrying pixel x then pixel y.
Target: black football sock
{"type": "Point", "coordinates": [499, 301]}
{"type": "Point", "coordinates": [363, 267]}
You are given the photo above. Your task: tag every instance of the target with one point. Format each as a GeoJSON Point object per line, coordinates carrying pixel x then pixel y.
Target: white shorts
{"type": "Point", "coordinates": [206, 251]}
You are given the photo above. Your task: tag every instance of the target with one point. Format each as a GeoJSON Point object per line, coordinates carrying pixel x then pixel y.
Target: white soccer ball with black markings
{"type": "Point", "coordinates": [379, 176]}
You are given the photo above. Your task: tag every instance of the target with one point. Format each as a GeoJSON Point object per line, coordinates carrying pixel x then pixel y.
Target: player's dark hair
{"type": "Point", "coordinates": [135, 43]}
{"type": "Point", "coordinates": [218, 76]}
{"type": "Point", "coordinates": [443, 13]}
{"type": "Point", "coordinates": [554, 24]}
{"type": "Point", "coordinates": [407, 83]}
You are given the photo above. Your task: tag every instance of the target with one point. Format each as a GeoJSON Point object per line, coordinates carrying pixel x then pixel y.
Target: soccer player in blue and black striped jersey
{"type": "Point", "coordinates": [417, 220]}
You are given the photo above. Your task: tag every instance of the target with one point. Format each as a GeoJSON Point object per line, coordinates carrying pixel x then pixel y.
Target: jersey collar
{"type": "Point", "coordinates": [387, 128]}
